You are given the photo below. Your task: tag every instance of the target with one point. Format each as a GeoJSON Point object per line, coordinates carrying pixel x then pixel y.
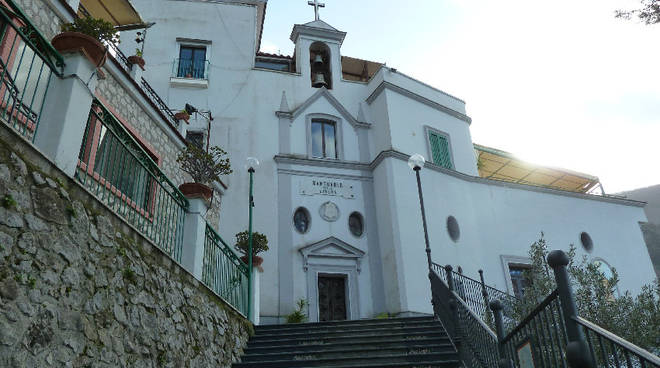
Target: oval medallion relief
{"type": "Point", "coordinates": [329, 211]}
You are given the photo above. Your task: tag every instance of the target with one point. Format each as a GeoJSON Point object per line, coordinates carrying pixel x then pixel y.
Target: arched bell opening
{"type": "Point", "coordinates": [319, 61]}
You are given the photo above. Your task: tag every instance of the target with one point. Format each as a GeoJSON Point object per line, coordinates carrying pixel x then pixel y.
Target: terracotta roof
{"type": "Point", "coordinates": [279, 56]}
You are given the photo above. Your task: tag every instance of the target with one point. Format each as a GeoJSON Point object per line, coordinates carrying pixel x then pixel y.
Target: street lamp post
{"type": "Point", "coordinates": [416, 162]}
{"type": "Point", "coordinates": [251, 163]}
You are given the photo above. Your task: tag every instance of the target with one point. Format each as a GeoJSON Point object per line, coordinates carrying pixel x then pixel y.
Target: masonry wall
{"type": "Point", "coordinates": [79, 287]}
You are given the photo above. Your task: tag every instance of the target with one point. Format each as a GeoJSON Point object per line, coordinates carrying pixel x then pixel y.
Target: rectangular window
{"type": "Point", "coordinates": [324, 139]}
{"type": "Point", "coordinates": [195, 138]}
{"type": "Point", "coordinates": [440, 150]}
{"type": "Point", "coordinates": [192, 62]}
{"type": "Point", "coordinates": [518, 280]}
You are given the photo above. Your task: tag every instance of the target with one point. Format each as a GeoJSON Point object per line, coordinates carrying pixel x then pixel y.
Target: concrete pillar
{"type": "Point", "coordinates": [194, 235]}
{"type": "Point", "coordinates": [136, 73]}
{"type": "Point", "coordinates": [256, 286]}
{"type": "Point", "coordinates": [65, 112]}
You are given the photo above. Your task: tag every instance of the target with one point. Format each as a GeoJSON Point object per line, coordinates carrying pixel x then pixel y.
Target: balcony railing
{"type": "Point", "coordinates": [189, 68]}
{"type": "Point", "coordinates": [160, 103]}
{"type": "Point", "coordinates": [114, 167]}
{"type": "Point", "coordinates": [27, 61]}
{"type": "Point", "coordinates": [223, 272]}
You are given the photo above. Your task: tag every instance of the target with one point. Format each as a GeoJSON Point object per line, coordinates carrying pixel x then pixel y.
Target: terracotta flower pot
{"type": "Point", "coordinates": [256, 260]}
{"type": "Point", "coordinates": [182, 116]}
{"type": "Point", "coordinates": [136, 60]}
{"type": "Point", "coordinates": [196, 190]}
{"type": "Point", "coordinates": [75, 41]}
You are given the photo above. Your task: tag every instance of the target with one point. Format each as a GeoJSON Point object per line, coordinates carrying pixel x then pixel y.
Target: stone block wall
{"type": "Point", "coordinates": [81, 288]}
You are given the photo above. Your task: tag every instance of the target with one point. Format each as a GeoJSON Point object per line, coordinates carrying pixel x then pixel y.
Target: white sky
{"type": "Point", "coordinates": [560, 83]}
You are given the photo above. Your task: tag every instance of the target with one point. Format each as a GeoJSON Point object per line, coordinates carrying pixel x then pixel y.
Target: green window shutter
{"type": "Point", "coordinates": [440, 150]}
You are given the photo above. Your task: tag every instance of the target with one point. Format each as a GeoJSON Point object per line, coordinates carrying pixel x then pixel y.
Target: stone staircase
{"type": "Point", "coordinates": [397, 342]}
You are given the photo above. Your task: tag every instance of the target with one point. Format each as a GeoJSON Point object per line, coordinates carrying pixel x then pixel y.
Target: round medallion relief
{"type": "Point", "coordinates": [329, 211]}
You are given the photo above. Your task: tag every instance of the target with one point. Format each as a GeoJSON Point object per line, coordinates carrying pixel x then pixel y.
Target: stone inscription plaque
{"type": "Point", "coordinates": [326, 187]}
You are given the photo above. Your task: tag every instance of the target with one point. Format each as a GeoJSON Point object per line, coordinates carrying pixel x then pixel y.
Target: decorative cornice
{"type": "Point", "coordinates": [323, 92]}
{"type": "Point", "coordinates": [407, 93]}
{"type": "Point", "coordinates": [477, 179]}
{"type": "Point", "coordinates": [335, 164]}
{"type": "Point", "coordinates": [315, 32]}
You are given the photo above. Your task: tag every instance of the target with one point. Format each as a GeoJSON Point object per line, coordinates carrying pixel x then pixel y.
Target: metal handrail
{"type": "Point", "coordinates": [120, 56]}
{"type": "Point", "coordinates": [187, 68]}
{"type": "Point", "coordinates": [224, 272]}
{"type": "Point", "coordinates": [115, 167]}
{"type": "Point", "coordinates": [162, 106]}
{"type": "Point", "coordinates": [31, 36]}
{"type": "Point", "coordinates": [621, 342]}
{"type": "Point", "coordinates": [548, 299]}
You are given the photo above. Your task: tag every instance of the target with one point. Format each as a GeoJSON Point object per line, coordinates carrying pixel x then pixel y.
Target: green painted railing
{"type": "Point", "coordinates": [223, 272]}
{"type": "Point", "coordinates": [27, 62]}
{"type": "Point", "coordinates": [117, 169]}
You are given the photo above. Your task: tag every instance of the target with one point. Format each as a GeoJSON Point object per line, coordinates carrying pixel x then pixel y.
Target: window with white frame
{"type": "Point", "coordinates": [324, 138]}
{"type": "Point", "coordinates": [519, 281]}
{"type": "Point", "coordinates": [440, 150]}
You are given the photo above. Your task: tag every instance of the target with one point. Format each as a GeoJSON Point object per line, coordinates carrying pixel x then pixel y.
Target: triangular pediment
{"type": "Point", "coordinates": [324, 93]}
{"type": "Point", "coordinates": [320, 24]}
{"type": "Point", "coordinates": [331, 247]}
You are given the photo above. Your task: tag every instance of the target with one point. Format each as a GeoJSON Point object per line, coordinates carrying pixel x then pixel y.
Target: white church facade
{"type": "Point", "coordinates": [334, 194]}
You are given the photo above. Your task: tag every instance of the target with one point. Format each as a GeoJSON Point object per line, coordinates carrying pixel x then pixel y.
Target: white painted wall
{"type": "Point", "coordinates": [498, 219]}
{"type": "Point", "coordinates": [494, 219]}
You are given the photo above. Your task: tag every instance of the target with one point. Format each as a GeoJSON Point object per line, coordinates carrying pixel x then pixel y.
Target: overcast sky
{"type": "Point", "coordinates": [559, 83]}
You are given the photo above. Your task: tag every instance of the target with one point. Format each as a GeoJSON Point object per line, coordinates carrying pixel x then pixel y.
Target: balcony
{"type": "Point", "coordinates": [190, 73]}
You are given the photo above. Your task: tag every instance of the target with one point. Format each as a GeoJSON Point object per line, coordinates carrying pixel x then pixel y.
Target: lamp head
{"type": "Point", "coordinates": [416, 161]}
{"type": "Point", "coordinates": [251, 163]}
{"type": "Point", "coordinates": [190, 109]}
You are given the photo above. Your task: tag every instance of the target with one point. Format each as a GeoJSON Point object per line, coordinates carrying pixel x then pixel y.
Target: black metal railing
{"type": "Point", "coordinates": [477, 295]}
{"type": "Point", "coordinates": [476, 342]}
{"type": "Point", "coordinates": [540, 337]}
{"type": "Point", "coordinates": [553, 335]}
{"type": "Point", "coordinates": [610, 350]}
{"type": "Point", "coordinates": [162, 106]}
{"type": "Point", "coordinates": [119, 56]}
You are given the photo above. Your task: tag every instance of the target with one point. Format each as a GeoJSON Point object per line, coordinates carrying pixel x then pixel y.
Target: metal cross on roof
{"type": "Point", "coordinates": [316, 6]}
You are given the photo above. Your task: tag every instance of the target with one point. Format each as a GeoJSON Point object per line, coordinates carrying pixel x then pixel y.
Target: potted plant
{"type": "Point", "coordinates": [259, 244]}
{"type": "Point", "coordinates": [137, 59]}
{"type": "Point", "coordinates": [86, 35]}
{"type": "Point", "coordinates": [204, 167]}
{"type": "Point", "coordinates": [182, 115]}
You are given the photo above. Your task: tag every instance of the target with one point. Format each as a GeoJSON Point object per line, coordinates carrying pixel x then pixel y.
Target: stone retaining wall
{"type": "Point", "coordinates": [79, 287]}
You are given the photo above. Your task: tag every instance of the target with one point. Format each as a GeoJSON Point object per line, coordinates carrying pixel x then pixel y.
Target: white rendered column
{"type": "Point", "coordinates": [65, 112]}
{"type": "Point", "coordinates": [256, 286]}
{"type": "Point", "coordinates": [194, 235]}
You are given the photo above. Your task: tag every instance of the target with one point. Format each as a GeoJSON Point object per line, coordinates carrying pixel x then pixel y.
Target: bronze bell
{"type": "Point", "coordinates": [318, 60]}
{"type": "Point", "coordinates": [319, 81]}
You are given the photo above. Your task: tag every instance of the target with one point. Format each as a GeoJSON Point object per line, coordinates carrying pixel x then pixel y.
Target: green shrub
{"type": "Point", "coordinates": [298, 316]}
{"type": "Point", "coordinates": [204, 167]}
{"type": "Point", "coordinates": [100, 29]}
{"type": "Point", "coordinates": [259, 243]}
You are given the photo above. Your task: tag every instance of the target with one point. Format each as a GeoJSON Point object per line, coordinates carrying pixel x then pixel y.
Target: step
{"type": "Point", "coordinates": [379, 360]}
{"type": "Point", "coordinates": [313, 334]}
{"type": "Point", "coordinates": [294, 328]}
{"type": "Point", "coordinates": [364, 339]}
{"type": "Point", "coordinates": [345, 352]}
{"type": "Point", "coordinates": [347, 322]}
{"type": "Point", "coordinates": [376, 343]}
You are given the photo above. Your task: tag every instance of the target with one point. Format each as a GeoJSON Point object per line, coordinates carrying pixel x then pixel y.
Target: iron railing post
{"type": "Point", "coordinates": [452, 301]}
{"type": "Point", "coordinates": [484, 292]}
{"type": "Point", "coordinates": [496, 307]}
{"type": "Point", "coordinates": [577, 350]}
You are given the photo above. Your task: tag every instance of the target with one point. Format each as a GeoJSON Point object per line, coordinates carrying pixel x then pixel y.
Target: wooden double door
{"type": "Point", "coordinates": [332, 297]}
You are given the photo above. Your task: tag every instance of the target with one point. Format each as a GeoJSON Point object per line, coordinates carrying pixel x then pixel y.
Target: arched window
{"type": "Point", "coordinates": [319, 61]}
